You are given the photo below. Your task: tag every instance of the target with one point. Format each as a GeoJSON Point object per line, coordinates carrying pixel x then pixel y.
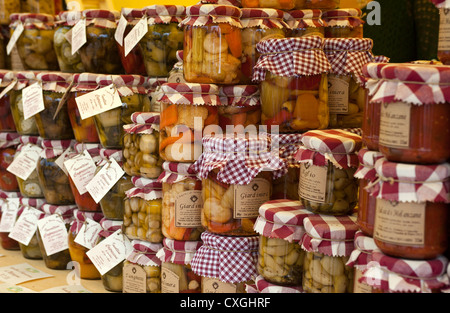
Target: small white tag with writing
{"type": "Point", "coordinates": [14, 37]}
{"type": "Point", "coordinates": [81, 168]}
{"type": "Point", "coordinates": [10, 208]}
{"type": "Point", "coordinates": [78, 35]}
{"type": "Point", "coordinates": [98, 101]}
{"type": "Point", "coordinates": [104, 180]}
{"type": "Point", "coordinates": [33, 100]}
{"type": "Point", "coordinates": [25, 162]}
{"type": "Point", "coordinates": [88, 234]}
{"type": "Point", "coordinates": [135, 35]}
{"type": "Point", "coordinates": [26, 225]}
{"type": "Point", "coordinates": [120, 30]}
{"type": "Point", "coordinates": [53, 232]}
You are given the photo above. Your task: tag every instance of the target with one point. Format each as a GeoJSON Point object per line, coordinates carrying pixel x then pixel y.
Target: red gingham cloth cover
{"type": "Point", "coordinates": [37, 20]}
{"type": "Point", "coordinates": [227, 258]}
{"type": "Point", "coordinates": [282, 219]}
{"type": "Point", "coordinates": [144, 253]}
{"type": "Point", "coordinates": [202, 14]}
{"type": "Point", "coordinates": [236, 3]}
{"type": "Point", "coordinates": [33, 202]}
{"type": "Point", "coordinates": [132, 15]}
{"type": "Point", "coordinates": [300, 19]}
{"type": "Point", "coordinates": [109, 227]}
{"type": "Point", "coordinates": [145, 188]}
{"type": "Point", "coordinates": [362, 254]}
{"type": "Point", "coordinates": [441, 4]}
{"type": "Point", "coordinates": [366, 169]}
{"type": "Point", "coordinates": [329, 235]}
{"type": "Point", "coordinates": [290, 57]}
{"type": "Point", "coordinates": [178, 251]}
{"type": "Point", "coordinates": [263, 286]}
{"type": "Point", "coordinates": [405, 275]}
{"type": "Point", "coordinates": [145, 117]}
{"type": "Point", "coordinates": [109, 154]}
{"type": "Point", "coordinates": [411, 182]}
{"type": "Point", "coordinates": [337, 146]}
{"type": "Point", "coordinates": [126, 85]}
{"type": "Point", "coordinates": [143, 123]}
{"type": "Point", "coordinates": [92, 148]}
{"type": "Point", "coordinates": [164, 14]}
{"type": "Point", "coordinates": [155, 83]}
{"type": "Point", "coordinates": [9, 139]}
{"type": "Point", "coordinates": [343, 17]}
{"type": "Point", "coordinates": [26, 139]}
{"type": "Point", "coordinates": [85, 82]}
{"type": "Point", "coordinates": [288, 145]}
{"type": "Point", "coordinates": [54, 148]}
{"type": "Point", "coordinates": [174, 172]}
{"type": "Point", "coordinates": [143, 182]}
{"type": "Point", "coordinates": [24, 79]}
{"type": "Point", "coordinates": [68, 18]}
{"type": "Point", "coordinates": [9, 194]}
{"type": "Point", "coordinates": [190, 94]}
{"type": "Point", "coordinates": [238, 160]}
{"type": "Point", "coordinates": [101, 18]}
{"type": "Point", "coordinates": [80, 217]}
{"type": "Point", "coordinates": [372, 76]}
{"type": "Point", "coordinates": [240, 95]}
{"type": "Point", "coordinates": [55, 81]}
{"type": "Point", "coordinates": [414, 83]}
{"type": "Point", "coordinates": [263, 18]}
{"type": "Point", "coordinates": [64, 211]}
{"type": "Point", "coordinates": [23, 207]}
{"type": "Point", "coordinates": [6, 77]}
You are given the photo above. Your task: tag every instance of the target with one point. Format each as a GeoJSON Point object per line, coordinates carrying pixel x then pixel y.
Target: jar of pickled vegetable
{"type": "Point", "coordinates": [8, 147]}
{"type": "Point", "coordinates": [329, 160]}
{"type": "Point", "coordinates": [52, 235]}
{"type": "Point", "coordinates": [343, 23]}
{"type": "Point", "coordinates": [9, 207]}
{"type": "Point", "coordinates": [38, 6]}
{"type": "Point", "coordinates": [444, 28]}
{"type": "Point", "coordinates": [5, 59]}
{"type": "Point", "coordinates": [31, 250]}
{"type": "Point", "coordinates": [294, 88]}
{"type": "Point", "coordinates": [163, 38]}
{"type": "Point", "coordinates": [414, 125]}
{"type": "Point", "coordinates": [35, 44]}
{"type": "Point", "coordinates": [7, 7]}
{"type": "Point", "coordinates": [142, 268]}
{"type": "Point", "coordinates": [278, 4]}
{"type": "Point", "coordinates": [233, 192]}
{"type": "Point", "coordinates": [30, 187]}
{"type": "Point", "coordinates": [226, 263]}
{"type": "Point", "coordinates": [134, 95]}
{"type": "Point", "coordinates": [328, 242]}
{"type": "Point", "coordinates": [258, 24]}
{"type": "Point", "coordinates": [280, 257]}
{"type": "Point", "coordinates": [155, 92]}
{"type": "Point", "coordinates": [68, 62]}
{"type": "Point", "coordinates": [187, 109]}
{"type": "Point", "coordinates": [77, 251]}
{"type": "Point", "coordinates": [182, 202]}
{"type": "Point", "coordinates": [212, 44]}
{"type": "Point", "coordinates": [141, 142]}
{"type": "Point", "coordinates": [6, 118]}
{"type": "Point", "coordinates": [346, 92]}
{"type": "Point", "coordinates": [53, 180]}
{"type": "Point", "coordinates": [411, 215]}
{"type": "Point", "coordinates": [303, 23]}
{"type": "Point", "coordinates": [100, 53]}
{"type": "Point", "coordinates": [176, 272]}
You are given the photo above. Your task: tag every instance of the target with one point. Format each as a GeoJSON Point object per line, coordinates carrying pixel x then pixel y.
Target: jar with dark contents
{"type": "Point", "coordinates": [9, 207]}
{"type": "Point", "coordinates": [8, 147]}
{"type": "Point", "coordinates": [31, 206]}
{"type": "Point", "coordinates": [6, 118]}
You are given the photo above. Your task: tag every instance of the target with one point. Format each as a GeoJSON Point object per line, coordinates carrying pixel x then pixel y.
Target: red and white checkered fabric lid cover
{"type": "Point", "coordinates": [366, 169]}
{"type": "Point", "coordinates": [405, 275]}
{"type": "Point", "coordinates": [143, 182]}
{"type": "Point", "coordinates": [238, 160]}
{"type": "Point", "coordinates": [300, 19]}
{"type": "Point", "coordinates": [145, 117]}
{"type": "Point", "coordinates": [144, 253]}
{"type": "Point", "coordinates": [64, 211]}
{"type": "Point", "coordinates": [68, 18]}
{"type": "Point", "coordinates": [362, 254]}
{"type": "Point", "coordinates": [282, 219]}
{"type": "Point", "coordinates": [9, 139]}
{"type": "Point", "coordinates": [55, 81]}
{"type": "Point", "coordinates": [145, 188]}
{"type": "Point", "coordinates": [54, 148]}
{"type": "Point", "coordinates": [143, 123]}
{"type": "Point", "coordinates": [236, 3]}
{"type": "Point", "coordinates": [174, 172]}
{"type": "Point", "coordinates": [6, 77]}
{"type": "Point", "coordinates": [411, 182]}
{"type": "Point", "coordinates": [178, 251]}
{"type": "Point", "coordinates": [441, 4]}
{"type": "Point", "coordinates": [337, 146]}
{"type": "Point", "coordinates": [33, 202]}
{"type": "Point", "coordinates": [154, 83]}
{"type": "Point", "coordinates": [203, 14]}
{"type": "Point", "coordinates": [372, 76]}
{"type": "Point", "coordinates": [240, 95]}
{"type": "Point", "coordinates": [85, 82]}
{"type": "Point", "coordinates": [164, 14]}
{"type": "Point", "coordinates": [37, 20]}
{"type": "Point", "coordinates": [329, 235]}
{"type": "Point", "coordinates": [81, 217]}
{"type": "Point", "coordinates": [109, 227]}
{"type": "Point", "coordinates": [27, 139]}
{"type": "Point", "coordinates": [101, 18]}
{"type": "Point", "coordinates": [9, 194]}
{"type": "Point", "coordinates": [343, 17]}
{"type": "Point", "coordinates": [190, 94]}
{"type": "Point", "coordinates": [263, 286]}
{"type": "Point", "coordinates": [109, 154]}
{"type": "Point", "coordinates": [92, 148]}
{"type": "Point", "coordinates": [24, 79]}
{"type": "Point", "coordinates": [228, 258]}
{"type": "Point", "coordinates": [126, 85]}
{"type": "Point", "coordinates": [264, 18]}
{"type": "Point", "coordinates": [290, 57]}
{"type": "Point", "coordinates": [287, 145]}
{"type": "Point", "coordinates": [132, 15]}
{"type": "Point", "coordinates": [414, 83]}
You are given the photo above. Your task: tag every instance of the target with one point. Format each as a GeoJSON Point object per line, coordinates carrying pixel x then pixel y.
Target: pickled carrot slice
{"type": "Point", "coordinates": [169, 116]}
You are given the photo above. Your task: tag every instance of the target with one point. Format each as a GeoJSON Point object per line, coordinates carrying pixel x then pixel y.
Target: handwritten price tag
{"type": "Point", "coordinates": [135, 35]}
{"type": "Point", "coordinates": [98, 101]}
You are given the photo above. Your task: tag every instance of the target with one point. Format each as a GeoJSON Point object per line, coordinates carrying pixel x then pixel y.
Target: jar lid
{"type": "Point", "coordinates": [343, 17]}
{"type": "Point", "coordinates": [108, 154]}
{"type": "Point", "coordinates": [372, 75]}
{"type": "Point", "coordinates": [126, 85]}
{"type": "Point", "coordinates": [101, 18]}
{"type": "Point", "coordinates": [228, 258]}
{"type": "Point", "coordinates": [80, 218]}
{"type": "Point", "coordinates": [287, 145]}
{"type": "Point", "coordinates": [298, 19]}
{"type": "Point", "coordinates": [295, 56]}
{"type": "Point", "coordinates": [68, 17]}
{"type": "Point", "coordinates": [5, 76]}
{"type": "Point", "coordinates": [65, 211]}
{"type": "Point", "coordinates": [441, 4]}
{"type": "Point", "coordinates": [54, 148]}
{"type": "Point", "coordinates": [132, 15]}
{"type": "Point", "coordinates": [263, 286]}
{"type": "Point", "coordinates": [145, 117]}
{"type": "Point", "coordinates": [55, 81]}
{"type": "Point", "coordinates": [143, 182]}
{"type": "Point", "coordinates": [178, 251]}
{"type": "Point", "coordinates": [329, 235]}
{"type": "Point", "coordinates": [240, 95]}
{"type": "Point", "coordinates": [174, 172]}
{"type": "Point", "coordinates": [282, 219]}
{"type": "Point", "coordinates": [9, 194]}
{"type": "Point", "coordinates": [143, 123]}
{"type": "Point", "coordinates": [9, 139]}
{"type": "Point", "coordinates": [92, 148]}
{"type": "Point", "coordinates": [330, 145]}
{"type": "Point", "coordinates": [366, 169]}
{"type": "Point", "coordinates": [36, 203]}
{"type": "Point", "coordinates": [145, 188]}
{"type": "Point", "coordinates": [264, 18]}
{"type": "Point", "coordinates": [109, 227]}
{"type": "Point", "coordinates": [155, 83]}
{"type": "Point", "coordinates": [362, 254]}
{"type": "Point", "coordinates": [26, 139]}
{"type": "Point", "coordinates": [164, 14]}
{"type": "Point", "coordinates": [190, 94]}
{"type": "Point", "coordinates": [36, 18]}
{"type": "Point", "coordinates": [144, 253]}
{"type": "Point", "coordinates": [405, 275]}
{"type": "Point", "coordinates": [202, 14]}
{"type": "Point", "coordinates": [24, 79]}
{"type": "Point", "coordinates": [85, 82]}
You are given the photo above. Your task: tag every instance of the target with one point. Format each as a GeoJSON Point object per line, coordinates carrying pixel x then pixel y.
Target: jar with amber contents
{"type": "Point", "coordinates": [30, 187]}
{"type": "Point", "coordinates": [144, 266]}
{"type": "Point", "coordinates": [140, 146]}
{"type": "Point", "coordinates": [8, 147]}
{"type": "Point", "coordinates": [226, 263]}
{"type": "Point", "coordinates": [53, 180]}
{"type": "Point", "coordinates": [303, 23]}
{"type": "Point", "coordinates": [343, 23]}
{"type": "Point", "coordinates": [443, 52]}
{"type": "Point", "coordinates": [188, 110]}
{"type": "Point", "coordinates": [176, 272]}
{"type": "Point", "coordinates": [100, 53]}
{"type": "Point", "coordinates": [163, 38]}
{"type": "Point", "coordinates": [9, 206]}
{"type": "Point", "coordinates": [328, 242]}
{"type": "Point", "coordinates": [182, 202]}
{"type": "Point", "coordinates": [30, 207]}
{"type": "Point", "coordinates": [6, 119]}
{"type": "Point", "coordinates": [212, 44]}
{"type": "Point", "coordinates": [53, 121]}
{"type": "Point", "coordinates": [414, 125]}
{"type": "Point", "coordinates": [411, 215]}
{"type": "Point", "coordinates": [328, 163]}
{"type": "Point", "coordinates": [77, 251]}
{"type": "Point", "coordinates": [280, 257]}
{"type": "Point", "coordinates": [258, 24]}
{"type": "Point", "coordinates": [294, 96]}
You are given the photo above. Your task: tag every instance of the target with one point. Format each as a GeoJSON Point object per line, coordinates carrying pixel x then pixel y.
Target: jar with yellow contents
{"type": "Point", "coordinates": [305, 23]}
{"type": "Point", "coordinates": [30, 187]}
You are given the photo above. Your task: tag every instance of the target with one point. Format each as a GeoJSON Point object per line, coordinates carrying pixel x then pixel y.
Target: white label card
{"type": "Point", "coordinates": [19, 273]}
{"type": "Point", "coordinates": [78, 35]}
{"type": "Point", "coordinates": [62, 158]}
{"type": "Point", "coordinates": [135, 35]}
{"type": "Point", "coordinates": [88, 234]}
{"type": "Point", "coordinates": [14, 37]}
{"type": "Point", "coordinates": [10, 208]}
{"type": "Point", "coordinates": [120, 30]}
{"type": "Point", "coordinates": [33, 100]}
{"type": "Point", "coordinates": [25, 162]}
{"type": "Point", "coordinates": [25, 226]}
{"type": "Point", "coordinates": [81, 169]}
{"type": "Point", "coordinates": [8, 88]}
{"type": "Point", "coordinates": [53, 232]}
{"type": "Point", "coordinates": [104, 180]}
{"type": "Point", "coordinates": [98, 101]}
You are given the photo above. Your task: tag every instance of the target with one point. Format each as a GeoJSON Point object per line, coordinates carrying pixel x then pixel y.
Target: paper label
{"type": "Point", "coordinates": [312, 183]}
{"type": "Point", "coordinates": [10, 208]}
{"type": "Point", "coordinates": [62, 158]}
{"type": "Point", "coordinates": [134, 279]}
{"type": "Point", "coordinates": [14, 37]}
{"type": "Point", "coordinates": [33, 100]}
{"type": "Point", "coordinates": [11, 288]}
{"type": "Point", "coordinates": [188, 206]}
{"type": "Point", "coordinates": [120, 30]}
{"type": "Point", "coordinates": [78, 35]}
{"type": "Point", "coordinates": [338, 94]}
{"type": "Point", "coordinates": [19, 273]}
{"type": "Point", "coordinates": [170, 282]}
{"type": "Point", "coordinates": [25, 226]}
{"type": "Point", "coordinates": [135, 35]}
{"type": "Point", "coordinates": [214, 285]}
{"type": "Point", "coordinates": [53, 232]}
{"type": "Point", "coordinates": [8, 88]}
{"type": "Point", "coordinates": [395, 121]}
{"type": "Point", "coordinates": [25, 162]}
{"type": "Point", "coordinates": [104, 180]}
{"type": "Point", "coordinates": [248, 198]}
{"type": "Point", "coordinates": [68, 36]}
{"type": "Point", "coordinates": [81, 168]}
{"type": "Point", "coordinates": [177, 77]}
{"type": "Point", "coordinates": [88, 234]}
{"type": "Point", "coordinates": [444, 30]}
{"type": "Point", "coordinates": [98, 101]}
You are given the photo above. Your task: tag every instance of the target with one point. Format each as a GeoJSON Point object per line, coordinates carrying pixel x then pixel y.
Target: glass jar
{"type": "Point", "coordinates": [155, 92]}
{"type": "Point", "coordinates": [141, 142]}
{"type": "Point", "coordinates": [77, 251]}
{"type": "Point", "coordinates": [176, 272]}
{"type": "Point", "coordinates": [35, 44]}
{"type": "Point", "coordinates": [7, 7]}
{"type": "Point", "coordinates": [53, 180]}
{"type": "Point", "coordinates": [8, 147]}
{"type": "Point", "coordinates": [39, 6]}
{"type": "Point", "coordinates": [186, 110]}
{"type": "Point", "coordinates": [6, 119]}
{"type": "Point", "coordinates": [286, 186]}
{"type": "Point", "coordinates": [163, 38]}
{"type": "Point", "coordinates": [292, 98]}
{"type": "Point", "coordinates": [100, 54]}
{"type": "Point", "coordinates": [31, 250]}
{"type": "Point", "coordinates": [343, 23]}
{"type": "Point", "coordinates": [9, 206]}
{"type": "Point", "coordinates": [279, 4]}
{"type": "Point", "coordinates": [258, 24]}
{"type": "Point", "coordinates": [182, 202]}
{"type": "Point", "coordinates": [212, 50]}
{"type": "Point", "coordinates": [68, 62]}
{"type": "Point", "coordinates": [263, 286]}
{"type": "Point", "coordinates": [5, 59]}
{"type": "Point", "coordinates": [303, 23]}
{"type": "Point", "coordinates": [443, 42]}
